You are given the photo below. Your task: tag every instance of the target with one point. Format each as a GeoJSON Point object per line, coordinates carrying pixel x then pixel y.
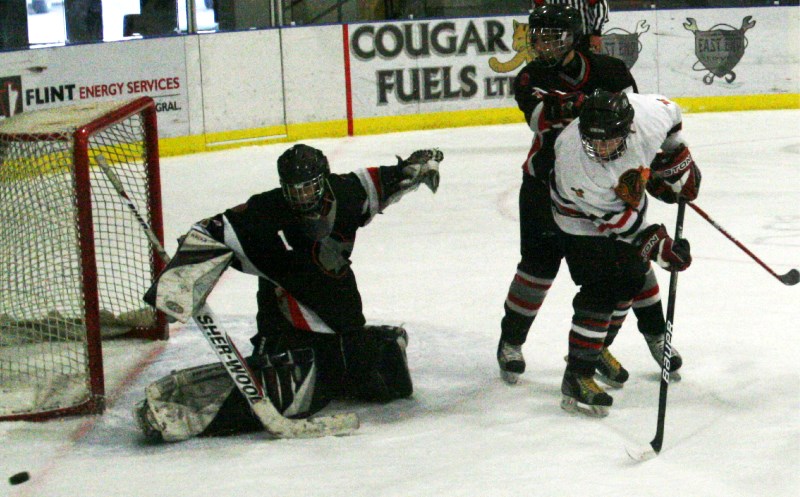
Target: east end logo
{"type": "Point", "coordinates": [624, 45]}
{"type": "Point", "coordinates": [519, 43]}
{"type": "Point", "coordinates": [719, 50]}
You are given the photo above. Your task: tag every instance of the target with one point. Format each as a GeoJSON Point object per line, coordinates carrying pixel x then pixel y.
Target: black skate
{"type": "Point", "coordinates": [581, 394]}
{"type": "Point", "coordinates": [656, 345]}
{"type": "Point", "coordinates": [610, 371]}
{"type": "Point", "coordinates": [511, 361]}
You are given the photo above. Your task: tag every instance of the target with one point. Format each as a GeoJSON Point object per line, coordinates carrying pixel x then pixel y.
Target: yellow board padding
{"type": "Point", "coordinates": [54, 157]}
{"type": "Point", "coordinates": [774, 101]}
{"type": "Point", "coordinates": [436, 120]}
{"type": "Point", "coordinates": [256, 136]}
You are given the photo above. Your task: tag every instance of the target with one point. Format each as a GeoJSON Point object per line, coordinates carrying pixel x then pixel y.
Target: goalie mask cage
{"type": "Point", "coordinates": [74, 261]}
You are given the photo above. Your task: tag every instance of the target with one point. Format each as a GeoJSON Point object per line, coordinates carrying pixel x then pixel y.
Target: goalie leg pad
{"type": "Point", "coordinates": [203, 401]}
{"type": "Point", "coordinates": [182, 404]}
{"type": "Point", "coordinates": [393, 361]}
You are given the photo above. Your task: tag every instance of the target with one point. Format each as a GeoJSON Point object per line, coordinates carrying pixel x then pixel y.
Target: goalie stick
{"type": "Point", "coordinates": [790, 278]}
{"type": "Point", "coordinates": [654, 448]}
{"type": "Point", "coordinates": [274, 423]}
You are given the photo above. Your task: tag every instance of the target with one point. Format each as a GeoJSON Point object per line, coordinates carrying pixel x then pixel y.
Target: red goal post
{"type": "Point", "coordinates": [74, 262]}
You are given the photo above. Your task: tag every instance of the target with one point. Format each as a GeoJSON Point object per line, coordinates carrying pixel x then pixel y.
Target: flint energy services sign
{"type": "Point", "coordinates": [433, 66]}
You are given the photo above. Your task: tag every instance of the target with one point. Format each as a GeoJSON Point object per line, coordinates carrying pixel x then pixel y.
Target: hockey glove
{"type": "Point", "coordinates": [656, 245]}
{"type": "Point", "coordinates": [678, 172]}
{"type": "Point", "coordinates": [661, 190]}
{"type": "Point", "coordinates": [561, 107]}
{"type": "Point", "coordinates": [421, 167]}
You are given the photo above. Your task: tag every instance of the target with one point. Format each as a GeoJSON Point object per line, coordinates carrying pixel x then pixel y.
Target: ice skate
{"type": "Point", "coordinates": [610, 371]}
{"type": "Point", "coordinates": [511, 361]}
{"type": "Point", "coordinates": [656, 345]}
{"type": "Point", "coordinates": [580, 394]}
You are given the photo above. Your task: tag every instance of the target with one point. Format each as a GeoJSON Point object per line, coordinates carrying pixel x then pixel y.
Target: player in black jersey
{"type": "Point", "coordinates": [313, 344]}
{"type": "Point", "coordinates": [549, 91]}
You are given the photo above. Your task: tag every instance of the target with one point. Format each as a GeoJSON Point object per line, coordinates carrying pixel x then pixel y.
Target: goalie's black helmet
{"type": "Point", "coordinates": [605, 122]}
{"type": "Point", "coordinates": [553, 31]}
{"type": "Point", "coordinates": [303, 173]}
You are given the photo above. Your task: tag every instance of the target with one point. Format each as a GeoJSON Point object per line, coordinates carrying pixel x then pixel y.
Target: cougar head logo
{"type": "Point", "coordinates": [519, 42]}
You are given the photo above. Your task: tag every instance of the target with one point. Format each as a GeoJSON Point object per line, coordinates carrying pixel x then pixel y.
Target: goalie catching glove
{"type": "Point", "coordinates": [674, 175]}
{"type": "Point", "coordinates": [656, 245]}
{"type": "Point", "coordinates": [421, 167]}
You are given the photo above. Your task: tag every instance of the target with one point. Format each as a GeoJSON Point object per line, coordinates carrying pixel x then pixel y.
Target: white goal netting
{"type": "Point", "coordinates": [71, 254]}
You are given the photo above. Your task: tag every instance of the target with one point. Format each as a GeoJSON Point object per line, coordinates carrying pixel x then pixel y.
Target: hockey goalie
{"type": "Point", "coordinates": [312, 343]}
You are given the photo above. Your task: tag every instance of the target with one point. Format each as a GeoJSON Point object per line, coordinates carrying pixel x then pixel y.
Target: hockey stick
{"type": "Point", "coordinates": [790, 278]}
{"type": "Point", "coordinates": [228, 354]}
{"type": "Point", "coordinates": [652, 450]}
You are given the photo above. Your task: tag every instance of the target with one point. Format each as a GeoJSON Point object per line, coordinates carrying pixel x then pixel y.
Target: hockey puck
{"type": "Point", "coordinates": [19, 478]}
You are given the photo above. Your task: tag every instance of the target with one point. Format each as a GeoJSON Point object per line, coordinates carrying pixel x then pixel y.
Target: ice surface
{"type": "Point", "coordinates": [442, 265]}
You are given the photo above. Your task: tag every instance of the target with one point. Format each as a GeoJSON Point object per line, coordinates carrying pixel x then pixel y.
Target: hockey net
{"type": "Point", "coordinates": [74, 262]}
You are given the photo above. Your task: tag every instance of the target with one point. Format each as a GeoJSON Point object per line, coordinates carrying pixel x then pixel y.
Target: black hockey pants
{"type": "Point", "coordinates": [609, 274]}
{"type": "Point", "coordinates": [349, 360]}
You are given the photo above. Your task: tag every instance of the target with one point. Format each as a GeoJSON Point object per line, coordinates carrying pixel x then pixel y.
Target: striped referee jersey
{"type": "Point", "coordinates": [594, 13]}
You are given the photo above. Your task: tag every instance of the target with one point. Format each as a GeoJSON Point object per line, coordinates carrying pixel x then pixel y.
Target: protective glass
{"type": "Point", "coordinates": [604, 150]}
{"type": "Point", "coordinates": [550, 44]}
{"type": "Point", "coordinates": [305, 197]}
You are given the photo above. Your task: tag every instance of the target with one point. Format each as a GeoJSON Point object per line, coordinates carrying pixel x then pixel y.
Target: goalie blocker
{"type": "Point", "coordinates": [203, 401]}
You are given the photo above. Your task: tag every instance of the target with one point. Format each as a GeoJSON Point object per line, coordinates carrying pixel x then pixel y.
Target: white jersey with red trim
{"type": "Point", "coordinates": [594, 199]}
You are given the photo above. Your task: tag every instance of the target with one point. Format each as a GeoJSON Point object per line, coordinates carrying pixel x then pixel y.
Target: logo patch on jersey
{"type": "Point", "coordinates": [578, 192]}
{"type": "Point", "coordinates": [631, 186]}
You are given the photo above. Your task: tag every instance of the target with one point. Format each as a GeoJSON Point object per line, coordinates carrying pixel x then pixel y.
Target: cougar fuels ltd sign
{"type": "Point", "coordinates": [429, 63]}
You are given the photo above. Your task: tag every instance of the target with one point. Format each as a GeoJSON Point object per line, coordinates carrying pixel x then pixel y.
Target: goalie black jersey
{"type": "Point", "coordinates": [589, 72]}
{"type": "Point", "coordinates": [270, 241]}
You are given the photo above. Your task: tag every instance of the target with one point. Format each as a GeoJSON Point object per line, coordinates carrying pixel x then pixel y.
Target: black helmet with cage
{"type": "Point", "coordinates": [303, 173]}
{"type": "Point", "coordinates": [605, 122]}
{"type": "Point", "coordinates": [553, 32]}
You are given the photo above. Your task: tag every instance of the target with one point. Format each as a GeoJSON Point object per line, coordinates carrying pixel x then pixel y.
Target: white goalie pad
{"type": "Point", "coordinates": [183, 404]}
{"type": "Point", "coordinates": [186, 282]}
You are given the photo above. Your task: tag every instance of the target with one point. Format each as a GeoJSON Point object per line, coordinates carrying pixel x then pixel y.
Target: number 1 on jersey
{"type": "Point", "coordinates": [285, 241]}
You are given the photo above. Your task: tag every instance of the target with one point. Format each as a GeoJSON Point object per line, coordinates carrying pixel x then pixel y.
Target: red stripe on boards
{"type": "Point", "coordinates": [348, 88]}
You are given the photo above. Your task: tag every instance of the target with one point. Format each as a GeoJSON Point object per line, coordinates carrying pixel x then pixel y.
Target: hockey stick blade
{"type": "Point", "coordinates": [279, 426]}
{"type": "Point", "coordinates": [790, 278]}
{"type": "Point", "coordinates": [641, 453]}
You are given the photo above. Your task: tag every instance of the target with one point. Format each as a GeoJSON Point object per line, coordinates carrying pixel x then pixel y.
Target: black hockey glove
{"type": "Point", "coordinates": [661, 190]}
{"type": "Point", "coordinates": [656, 245]}
{"type": "Point", "coordinates": [561, 107]}
{"type": "Point", "coordinates": [421, 167]}
{"type": "Point", "coordinates": [675, 171]}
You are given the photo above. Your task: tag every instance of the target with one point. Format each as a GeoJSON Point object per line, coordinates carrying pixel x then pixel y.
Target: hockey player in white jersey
{"type": "Point", "coordinates": [599, 203]}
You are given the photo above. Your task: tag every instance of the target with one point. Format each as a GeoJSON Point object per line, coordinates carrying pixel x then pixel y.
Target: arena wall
{"type": "Point", "coordinates": [221, 90]}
